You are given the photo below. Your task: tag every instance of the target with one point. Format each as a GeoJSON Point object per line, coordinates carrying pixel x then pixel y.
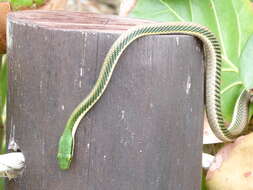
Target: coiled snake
{"type": "Point", "coordinates": [213, 61]}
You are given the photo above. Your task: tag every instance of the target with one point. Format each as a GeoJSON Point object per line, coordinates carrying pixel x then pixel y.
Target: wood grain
{"type": "Point", "coordinates": [145, 133]}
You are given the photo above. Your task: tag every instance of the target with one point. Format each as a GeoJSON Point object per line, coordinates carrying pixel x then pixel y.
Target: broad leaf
{"type": "Point", "coordinates": [246, 66]}
{"type": "Point", "coordinates": [230, 20]}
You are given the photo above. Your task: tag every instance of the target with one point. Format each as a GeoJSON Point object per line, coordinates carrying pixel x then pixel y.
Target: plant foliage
{"type": "Point", "coordinates": [3, 102]}
{"type": "Point", "coordinates": [21, 4]}
{"type": "Point", "coordinates": [3, 90]}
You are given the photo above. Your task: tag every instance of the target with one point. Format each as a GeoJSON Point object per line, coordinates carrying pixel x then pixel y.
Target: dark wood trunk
{"type": "Point", "coordinates": [145, 133]}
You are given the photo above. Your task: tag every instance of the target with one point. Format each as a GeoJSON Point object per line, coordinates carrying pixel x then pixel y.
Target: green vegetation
{"type": "Point", "coordinates": [20, 4]}
{"type": "Point", "coordinates": [3, 102]}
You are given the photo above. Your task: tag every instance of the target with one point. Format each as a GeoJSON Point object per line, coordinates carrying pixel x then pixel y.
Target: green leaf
{"type": "Point", "coordinates": [3, 90]}
{"type": "Point", "coordinates": [17, 4]}
{"type": "Point", "coordinates": [230, 20]}
{"type": "Point", "coordinates": [21, 4]}
{"type": "Point", "coordinates": [246, 68]}
{"type": "Point", "coordinates": [203, 182]}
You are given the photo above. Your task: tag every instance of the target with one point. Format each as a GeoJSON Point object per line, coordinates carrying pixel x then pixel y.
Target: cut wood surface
{"type": "Point", "coordinates": [145, 133]}
{"type": "Point", "coordinates": [76, 21]}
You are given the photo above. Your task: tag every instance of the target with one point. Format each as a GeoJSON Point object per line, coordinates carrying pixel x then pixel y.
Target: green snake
{"type": "Point", "coordinates": [213, 59]}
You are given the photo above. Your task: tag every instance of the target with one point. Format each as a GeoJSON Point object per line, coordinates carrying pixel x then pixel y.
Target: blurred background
{"type": "Point", "coordinates": [97, 6]}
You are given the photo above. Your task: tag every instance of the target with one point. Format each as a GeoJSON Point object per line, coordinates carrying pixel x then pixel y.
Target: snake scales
{"type": "Point", "coordinates": [213, 61]}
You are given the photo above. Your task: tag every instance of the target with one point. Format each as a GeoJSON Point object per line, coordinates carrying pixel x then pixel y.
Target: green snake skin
{"type": "Point", "coordinates": [213, 73]}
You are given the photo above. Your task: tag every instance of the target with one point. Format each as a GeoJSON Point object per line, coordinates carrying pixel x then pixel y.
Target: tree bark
{"type": "Point", "coordinates": [146, 130]}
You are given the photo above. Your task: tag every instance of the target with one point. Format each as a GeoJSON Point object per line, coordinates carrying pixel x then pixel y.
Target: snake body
{"type": "Point", "coordinates": [213, 61]}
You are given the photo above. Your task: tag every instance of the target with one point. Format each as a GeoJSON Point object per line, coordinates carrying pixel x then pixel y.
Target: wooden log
{"type": "Point", "coordinates": [146, 130]}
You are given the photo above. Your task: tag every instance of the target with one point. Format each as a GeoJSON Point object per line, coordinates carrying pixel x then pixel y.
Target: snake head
{"type": "Point", "coordinates": [65, 151]}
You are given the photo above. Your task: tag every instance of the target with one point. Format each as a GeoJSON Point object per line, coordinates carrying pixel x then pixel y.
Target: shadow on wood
{"type": "Point", "coordinates": [146, 130]}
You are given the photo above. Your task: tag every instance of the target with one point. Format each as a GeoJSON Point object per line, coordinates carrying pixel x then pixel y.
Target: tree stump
{"type": "Point", "coordinates": [146, 130]}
